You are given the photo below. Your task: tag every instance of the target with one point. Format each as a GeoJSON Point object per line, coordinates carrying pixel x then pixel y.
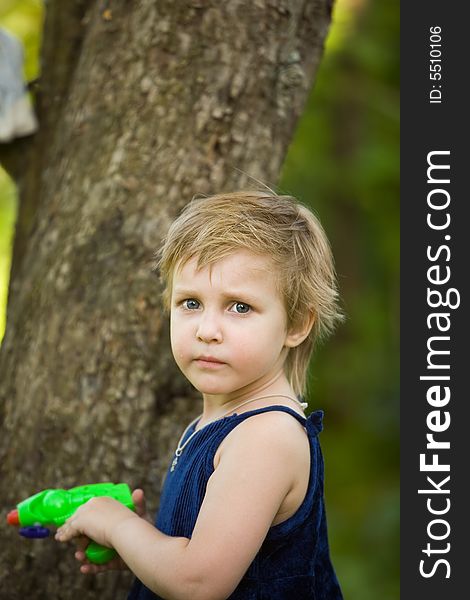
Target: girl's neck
{"type": "Point", "coordinates": [215, 406]}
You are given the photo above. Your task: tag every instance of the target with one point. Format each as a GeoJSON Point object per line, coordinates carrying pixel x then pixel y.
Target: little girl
{"type": "Point", "coordinates": [250, 287]}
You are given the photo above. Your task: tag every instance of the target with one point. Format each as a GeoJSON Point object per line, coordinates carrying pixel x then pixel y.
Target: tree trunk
{"type": "Point", "coordinates": [141, 105]}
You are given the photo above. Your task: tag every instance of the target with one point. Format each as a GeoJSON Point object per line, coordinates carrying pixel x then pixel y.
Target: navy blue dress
{"type": "Point", "coordinates": [293, 561]}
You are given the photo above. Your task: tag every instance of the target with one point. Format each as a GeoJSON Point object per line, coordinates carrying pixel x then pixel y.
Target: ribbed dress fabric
{"type": "Point", "coordinates": [293, 561]}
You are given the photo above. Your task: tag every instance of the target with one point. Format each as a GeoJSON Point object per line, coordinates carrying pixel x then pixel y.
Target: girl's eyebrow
{"type": "Point", "coordinates": [231, 295]}
{"type": "Point", "coordinates": [184, 292]}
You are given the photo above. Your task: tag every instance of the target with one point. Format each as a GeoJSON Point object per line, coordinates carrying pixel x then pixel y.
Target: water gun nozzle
{"type": "Point", "coordinates": [13, 518]}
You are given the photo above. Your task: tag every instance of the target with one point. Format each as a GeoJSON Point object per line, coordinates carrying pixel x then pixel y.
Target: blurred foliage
{"type": "Point", "coordinates": [344, 163]}
{"type": "Point", "coordinates": [7, 221]}
{"type": "Point", "coordinates": [22, 18]}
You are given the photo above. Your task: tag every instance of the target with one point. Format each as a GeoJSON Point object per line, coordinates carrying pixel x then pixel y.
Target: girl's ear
{"type": "Point", "coordinates": [298, 334]}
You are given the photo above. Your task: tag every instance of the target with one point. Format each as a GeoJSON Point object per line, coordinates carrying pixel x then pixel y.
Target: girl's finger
{"type": "Point", "coordinates": [138, 499]}
{"type": "Point", "coordinates": [81, 543]}
{"type": "Point", "coordinates": [116, 564]}
{"type": "Point", "coordinates": [61, 534]}
{"type": "Point", "coordinates": [89, 569]}
{"type": "Point", "coordinates": [140, 504]}
{"type": "Point", "coordinates": [66, 532]}
{"type": "Point", "coordinates": [80, 555]}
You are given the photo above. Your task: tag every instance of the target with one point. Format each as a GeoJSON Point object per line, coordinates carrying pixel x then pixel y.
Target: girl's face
{"type": "Point", "coordinates": [228, 324]}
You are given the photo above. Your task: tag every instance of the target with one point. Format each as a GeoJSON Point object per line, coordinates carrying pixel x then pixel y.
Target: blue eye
{"type": "Point", "coordinates": [241, 308]}
{"type": "Point", "coordinates": [191, 304]}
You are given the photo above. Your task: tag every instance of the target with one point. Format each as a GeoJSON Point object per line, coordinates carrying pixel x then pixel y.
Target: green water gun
{"type": "Point", "coordinates": [53, 507]}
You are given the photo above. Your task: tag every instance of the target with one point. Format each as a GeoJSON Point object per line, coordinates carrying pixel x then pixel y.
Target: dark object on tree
{"type": "Point", "coordinates": [17, 118]}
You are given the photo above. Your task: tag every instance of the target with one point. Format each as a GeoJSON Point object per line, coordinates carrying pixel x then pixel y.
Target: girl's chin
{"type": "Point", "coordinates": [211, 387]}
{"type": "Point", "coordinates": [213, 390]}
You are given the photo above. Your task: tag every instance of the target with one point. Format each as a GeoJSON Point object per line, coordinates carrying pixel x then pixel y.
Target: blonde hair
{"type": "Point", "coordinates": [278, 227]}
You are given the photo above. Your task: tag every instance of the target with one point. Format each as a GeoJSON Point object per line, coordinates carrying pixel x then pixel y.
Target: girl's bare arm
{"type": "Point", "coordinates": [256, 471]}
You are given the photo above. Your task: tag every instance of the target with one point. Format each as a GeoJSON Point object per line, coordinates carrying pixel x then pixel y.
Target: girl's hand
{"type": "Point", "coordinates": [88, 568]}
{"type": "Point", "coordinates": [95, 520]}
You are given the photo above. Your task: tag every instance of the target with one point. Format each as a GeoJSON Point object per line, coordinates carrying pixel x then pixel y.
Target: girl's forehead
{"type": "Point", "coordinates": [241, 267]}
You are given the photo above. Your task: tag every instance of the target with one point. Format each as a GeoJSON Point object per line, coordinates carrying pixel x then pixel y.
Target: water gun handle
{"type": "Point", "coordinates": [99, 555]}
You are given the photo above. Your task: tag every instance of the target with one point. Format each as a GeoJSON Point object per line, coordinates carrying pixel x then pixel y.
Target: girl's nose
{"type": "Point", "coordinates": [209, 328]}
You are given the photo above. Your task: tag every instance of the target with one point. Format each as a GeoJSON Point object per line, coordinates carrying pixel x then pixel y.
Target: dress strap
{"type": "Point", "coordinates": [313, 423]}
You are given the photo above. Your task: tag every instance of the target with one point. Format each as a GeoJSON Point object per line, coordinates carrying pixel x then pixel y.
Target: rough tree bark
{"type": "Point", "coordinates": [141, 105]}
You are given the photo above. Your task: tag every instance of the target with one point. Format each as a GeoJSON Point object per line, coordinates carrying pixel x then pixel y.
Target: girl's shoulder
{"type": "Point", "coordinates": [273, 430]}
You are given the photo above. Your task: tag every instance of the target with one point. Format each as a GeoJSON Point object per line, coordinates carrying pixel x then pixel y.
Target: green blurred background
{"type": "Point", "coordinates": [344, 163]}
